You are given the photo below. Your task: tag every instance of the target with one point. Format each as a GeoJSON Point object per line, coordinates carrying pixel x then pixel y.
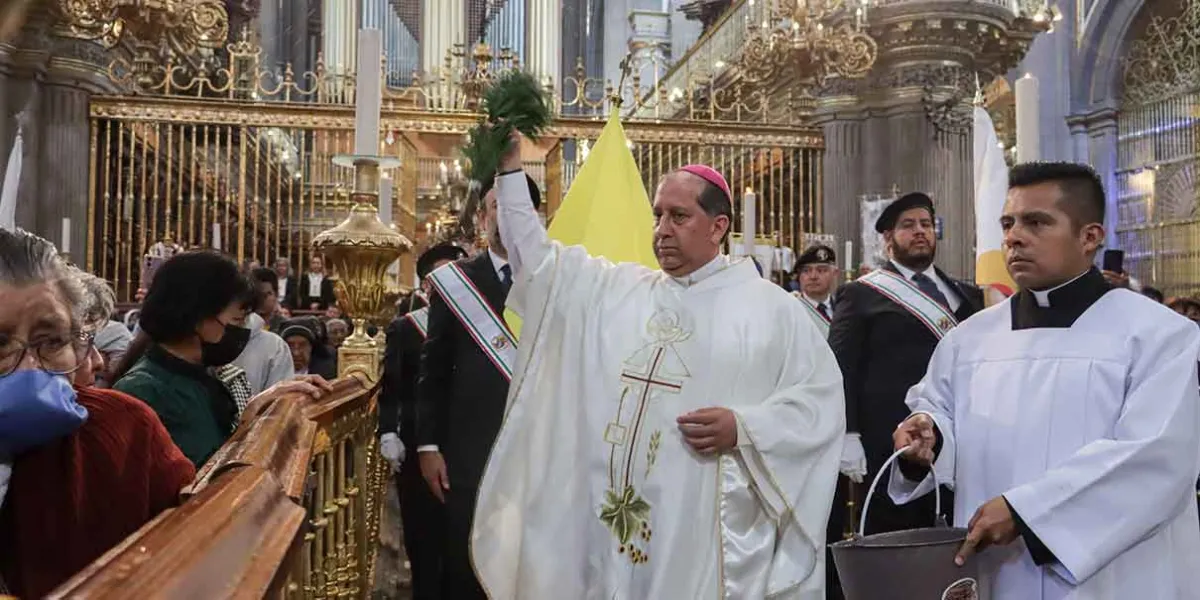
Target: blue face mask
{"type": "Point", "coordinates": [36, 407]}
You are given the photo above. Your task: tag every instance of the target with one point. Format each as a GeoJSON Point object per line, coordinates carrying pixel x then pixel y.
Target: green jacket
{"type": "Point", "coordinates": [195, 407]}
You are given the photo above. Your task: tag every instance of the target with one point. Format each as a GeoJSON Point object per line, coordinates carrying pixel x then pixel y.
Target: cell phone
{"type": "Point", "coordinates": [1114, 260]}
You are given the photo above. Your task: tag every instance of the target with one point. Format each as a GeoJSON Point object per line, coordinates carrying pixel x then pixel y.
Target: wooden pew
{"type": "Point", "coordinates": [289, 507]}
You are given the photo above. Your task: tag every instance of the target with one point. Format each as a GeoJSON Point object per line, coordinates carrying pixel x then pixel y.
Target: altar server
{"type": "Point", "coordinates": [1067, 418]}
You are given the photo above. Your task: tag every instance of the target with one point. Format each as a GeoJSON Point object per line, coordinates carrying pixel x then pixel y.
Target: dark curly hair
{"type": "Point", "coordinates": [187, 289]}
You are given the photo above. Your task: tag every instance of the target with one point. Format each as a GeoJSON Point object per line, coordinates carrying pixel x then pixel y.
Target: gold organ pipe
{"type": "Point", "coordinates": [125, 218]}
{"type": "Point", "coordinates": [277, 218]}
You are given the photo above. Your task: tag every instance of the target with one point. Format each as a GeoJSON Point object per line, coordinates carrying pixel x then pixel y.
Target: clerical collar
{"type": "Point", "coordinates": [1060, 306]}
{"type": "Point", "coordinates": [714, 265]}
{"type": "Point", "coordinates": [1043, 296]}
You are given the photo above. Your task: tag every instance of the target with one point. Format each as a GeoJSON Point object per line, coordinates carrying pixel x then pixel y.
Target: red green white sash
{"type": "Point", "coordinates": [899, 290]}
{"type": "Point", "coordinates": [485, 326]}
{"type": "Point", "coordinates": [821, 320]}
{"type": "Point", "coordinates": [420, 320]}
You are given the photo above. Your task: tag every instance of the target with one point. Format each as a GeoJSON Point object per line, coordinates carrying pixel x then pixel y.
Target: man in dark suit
{"type": "Point", "coordinates": [885, 327]}
{"type": "Point", "coordinates": [420, 511]}
{"type": "Point", "coordinates": [285, 284]}
{"type": "Point", "coordinates": [462, 389]}
{"type": "Point", "coordinates": [315, 288]}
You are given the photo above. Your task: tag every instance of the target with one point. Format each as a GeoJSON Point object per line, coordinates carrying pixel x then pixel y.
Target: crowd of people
{"type": "Point", "coordinates": [105, 418]}
{"type": "Point", "coordinates": [677, 432]}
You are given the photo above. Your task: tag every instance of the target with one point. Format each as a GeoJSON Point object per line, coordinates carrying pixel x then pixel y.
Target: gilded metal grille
{"type": "Point", "coordinates": [232, 156]}
{"type": "Point", "coordinates": [1159, 154]}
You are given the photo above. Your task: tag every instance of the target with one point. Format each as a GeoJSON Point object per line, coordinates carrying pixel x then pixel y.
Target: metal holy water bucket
{"type": "Point", "coordinates": [915, 564]}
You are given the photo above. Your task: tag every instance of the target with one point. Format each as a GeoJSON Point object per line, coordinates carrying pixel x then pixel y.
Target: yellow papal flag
{"type": "Point", "coordinates": [991, 189]}
{"type": "Point", "coordinates": [606, 210]}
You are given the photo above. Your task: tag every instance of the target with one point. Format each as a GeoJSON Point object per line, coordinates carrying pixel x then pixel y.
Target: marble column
{"type": "Point", "coordinates": [881, 138]}
{"type": "Point", "coordinates": [543, 54]}
{"type": "Point", "coordinates": [1102, 155]}
{"type": "Point", "coordinates": [52, 80]}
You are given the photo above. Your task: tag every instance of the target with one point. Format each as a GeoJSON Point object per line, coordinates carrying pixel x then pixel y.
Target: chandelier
{"type": "Point", "coordinates": [808, 41]}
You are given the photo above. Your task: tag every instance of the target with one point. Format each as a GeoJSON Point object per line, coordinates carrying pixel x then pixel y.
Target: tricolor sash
{"type": "Point", "coordinates": [896, 288]}
{"type": "Point", "coordinates": [485, 326]}
{"type": "Point", "coordinates": [420, 320]}
{"type": "Point", "coordinates": [821, 320]}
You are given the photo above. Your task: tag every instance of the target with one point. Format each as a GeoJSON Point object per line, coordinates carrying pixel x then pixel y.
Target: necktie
{"type": "Point", "coordinates": [925, 284]}
{"type": "Point", "coordinates": [506, 278]}
{"type": "Point", "coordinates": [821, 309]}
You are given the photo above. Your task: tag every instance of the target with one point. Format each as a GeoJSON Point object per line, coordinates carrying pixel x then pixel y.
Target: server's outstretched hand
{"type": "Point", "coordinates": [709, 430]}
{"type": "Point", "coordinates": [992, 525]}
{"type": "Point", "coordinates": [917, 434]}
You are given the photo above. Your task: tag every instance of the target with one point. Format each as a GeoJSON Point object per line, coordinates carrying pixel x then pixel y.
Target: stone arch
{"type": "Point", "coordinates": [1097, 83]}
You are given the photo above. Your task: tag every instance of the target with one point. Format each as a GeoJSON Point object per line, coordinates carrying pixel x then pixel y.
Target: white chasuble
{"type": "Point", "coordinates": [1091, 433]}
{"type": "Point", "coordinates": [591, 491]}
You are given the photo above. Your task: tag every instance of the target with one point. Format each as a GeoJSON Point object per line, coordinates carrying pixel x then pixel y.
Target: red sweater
{"type": "Point", "coordinates": [73, 499]}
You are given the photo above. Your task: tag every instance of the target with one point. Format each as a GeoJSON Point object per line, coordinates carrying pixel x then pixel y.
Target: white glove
{"type": "Point", "coordinates": [854, 460]}
{"type": "Point", "coordinates": [392, 449]}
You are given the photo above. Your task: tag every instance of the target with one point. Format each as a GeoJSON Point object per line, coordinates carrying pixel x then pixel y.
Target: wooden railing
{"type": "Point", "coordinates": [288, 508]}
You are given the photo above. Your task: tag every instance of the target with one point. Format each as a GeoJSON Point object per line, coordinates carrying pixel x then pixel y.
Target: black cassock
{"type": "Point", "coordinates": [420, 512]}
{"type": "Point", "coordinates": [460, 405]}
{"type": "Point", "coordinates": [883, 350]}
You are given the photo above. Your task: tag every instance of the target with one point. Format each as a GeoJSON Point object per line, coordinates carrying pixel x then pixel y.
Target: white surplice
{"type": "Point", "coordinates": [1092, 434]}
{"type": "Point", "coordinates": [591, 492]}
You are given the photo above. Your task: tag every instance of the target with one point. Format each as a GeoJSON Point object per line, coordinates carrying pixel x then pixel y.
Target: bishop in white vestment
{"type": "Point", "coordinates": [592, 491]}
{"type": "Point", "coordinates": [1067, 419]}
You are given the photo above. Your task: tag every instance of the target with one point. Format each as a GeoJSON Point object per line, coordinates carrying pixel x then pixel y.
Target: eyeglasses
{"type": "Point", "coordinates": [55, 355]}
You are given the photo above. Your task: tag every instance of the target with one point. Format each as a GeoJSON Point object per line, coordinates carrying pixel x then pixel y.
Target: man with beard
{"type": "Point", "coordinates": [885, 327]}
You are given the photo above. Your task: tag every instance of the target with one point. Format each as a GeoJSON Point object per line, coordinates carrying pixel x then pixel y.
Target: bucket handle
{"type": "Point", "coordinates": [886, 468]}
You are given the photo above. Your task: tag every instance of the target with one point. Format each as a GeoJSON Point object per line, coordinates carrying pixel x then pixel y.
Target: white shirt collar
{"type": "Point", "coordinates": [1043, 296]}
{"type": "Point", "coordinates": [816, 302]}
{"type": "Point", "coordinates": [908, 273]}
{"type": "Point", "coordinates": [497, 262]}
{"type": "Point", "coordinates": [714, 265]}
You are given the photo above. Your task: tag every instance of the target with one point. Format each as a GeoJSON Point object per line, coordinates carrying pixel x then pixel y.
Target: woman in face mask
{"type": "Point", "coordinates": [187, 321]}
{"type": "Point", "coordinates": [190, 326]}
{"type": "Point", "coordinates": [81, 468]}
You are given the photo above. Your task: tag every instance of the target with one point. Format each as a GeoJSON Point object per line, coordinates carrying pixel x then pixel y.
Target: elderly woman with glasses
{"type": "Point", "coordinates": [84, 467]}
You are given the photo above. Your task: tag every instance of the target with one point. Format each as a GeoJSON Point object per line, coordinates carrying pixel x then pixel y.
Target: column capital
{"type": "Point", "coordinates": [1099, 119]}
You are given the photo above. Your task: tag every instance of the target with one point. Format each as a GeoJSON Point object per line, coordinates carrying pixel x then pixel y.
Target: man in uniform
{"type": "Point", "coordinates": [420, 512]}
{"type": "Point", "coordinates": [817, 272]}
{"type": "Point", "coordinates": [885, 327]}
{"type": "Point", "coordinates": [466, 365]}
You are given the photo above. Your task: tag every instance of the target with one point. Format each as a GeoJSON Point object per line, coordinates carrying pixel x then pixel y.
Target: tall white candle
{"type": "Point", "coordinates": [216, 236]}
{"type": "Point", "coordinates": [748, 221]}
{"type": "Point", "coordinates": [66, 235]}
{"type": "Point", "coordinates": [849, 256]}
{"type": "Point", "coordinates": [385, 200]}
{"type": "Point", "coordinates": [369, 96]}
{"type": "Point", "coordinates": [1028, 128]}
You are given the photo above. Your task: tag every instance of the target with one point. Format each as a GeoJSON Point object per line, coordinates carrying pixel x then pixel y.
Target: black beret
{"type": "Point", "coordinates": [437, 253]}
{"type": "Point", "coordinates": [817, 255]}
{"type": "Point", "coordinates": [887, 219]}
{"type": "Point", "coordinates": [534, 192]}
